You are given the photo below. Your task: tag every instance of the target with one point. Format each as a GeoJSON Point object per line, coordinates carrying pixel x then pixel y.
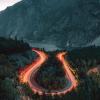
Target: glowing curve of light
{"type": "Point", "coordinates": [30, 70]}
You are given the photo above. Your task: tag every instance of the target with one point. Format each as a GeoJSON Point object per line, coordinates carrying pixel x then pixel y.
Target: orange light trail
{"type": "Point", "coordinates": [68, 72]}
{"type": "Point", "coordinates": [26, 75]}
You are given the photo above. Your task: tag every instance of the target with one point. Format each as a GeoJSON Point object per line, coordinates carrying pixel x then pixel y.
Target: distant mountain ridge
{"type": "Point", "coordinates": [73, 22]}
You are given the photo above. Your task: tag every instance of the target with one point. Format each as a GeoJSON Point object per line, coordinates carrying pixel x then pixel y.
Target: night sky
{"type": "Point", "coordinates": [6, 3]}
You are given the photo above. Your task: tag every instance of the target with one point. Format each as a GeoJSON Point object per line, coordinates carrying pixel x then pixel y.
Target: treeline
{"type": "Point", "coordinates": [9, 46]}
{"type": "Point", "coordinates": [83, 59]}
{"type": "Point", "coordinates": [85, 52]}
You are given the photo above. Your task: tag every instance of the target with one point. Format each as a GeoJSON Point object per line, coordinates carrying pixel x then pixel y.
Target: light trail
{"type": "Point", "coordinates": [68, 72]}
{"type": "Point", "coordinates": [25, 75]}
{"type": "Point", "coordinates": [28, 74]}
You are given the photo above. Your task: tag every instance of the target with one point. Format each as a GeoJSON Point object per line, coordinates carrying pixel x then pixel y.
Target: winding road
{"type": "Point", "coordinates": [27, 75]}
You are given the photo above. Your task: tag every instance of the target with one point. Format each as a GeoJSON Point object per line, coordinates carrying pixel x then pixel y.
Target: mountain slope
{"type": "Point", "coordinates": [96, 41]}
{"type": "Point", "coordinates": [53, 21]}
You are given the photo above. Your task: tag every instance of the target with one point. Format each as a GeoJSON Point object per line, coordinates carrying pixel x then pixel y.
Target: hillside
{"type": "Point", "coordinates": [82, 61]}
{"type": "Point", "coordinates": [14, 55]}
{"type": "Point", "coordinates": [57, 22]}
{"type": "Point", "coordinates": [96, 41]}
{"type": "Point", "coordinates": [8, 45]}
